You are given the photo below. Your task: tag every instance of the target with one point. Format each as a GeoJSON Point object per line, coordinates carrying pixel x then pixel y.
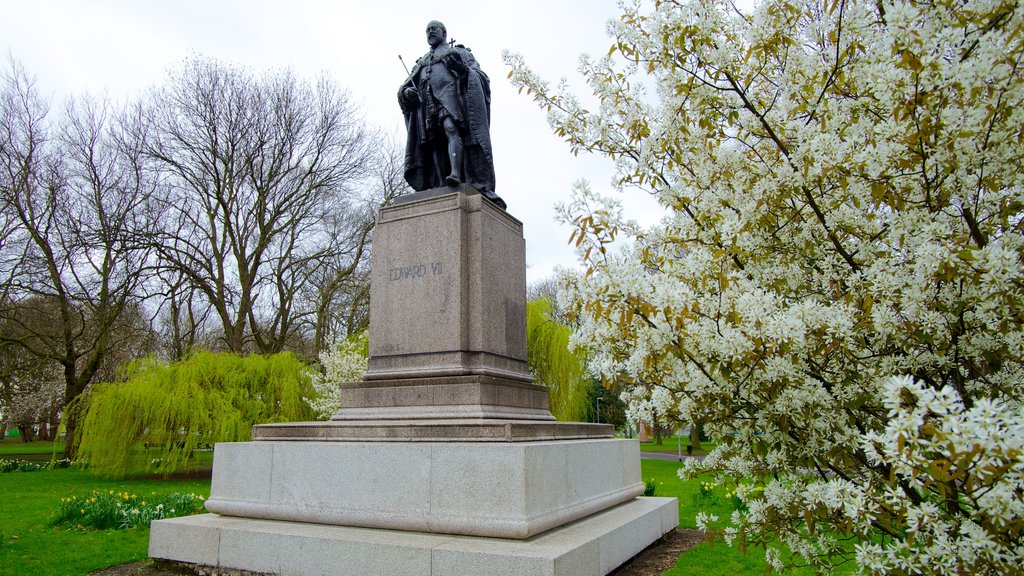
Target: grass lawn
{"type": "Point", "coordinates": [670, 445]}
{"type": "Point", "coordinates": [13, 447]}
{"type": "Point", "coordinates": [29, 545]}
{"type": "Point", "coordinates": [709, 558]}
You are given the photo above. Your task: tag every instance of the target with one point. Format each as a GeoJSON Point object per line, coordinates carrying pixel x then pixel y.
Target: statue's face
{"type": "Point", "coordinates": [436, 34]}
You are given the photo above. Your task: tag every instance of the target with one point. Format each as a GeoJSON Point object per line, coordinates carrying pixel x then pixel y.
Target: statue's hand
{"type": "Point", "coordinates": [410, 96]}
{"type": "Point", "coordinates": [454, 61]}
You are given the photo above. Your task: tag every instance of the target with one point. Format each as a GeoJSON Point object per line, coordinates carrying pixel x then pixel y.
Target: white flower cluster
{"type": "Point", "coordinates": [960, 473]}
{"type": "Point", "coordinates": [345, 361]}
{"type": "Point", "coordinates": [844, 202]}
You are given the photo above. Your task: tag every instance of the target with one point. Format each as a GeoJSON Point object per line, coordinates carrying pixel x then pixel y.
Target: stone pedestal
{"type": "Point", "coordinates": [445, 459]}
{"type": "Point", "coordinates": [448, 289]}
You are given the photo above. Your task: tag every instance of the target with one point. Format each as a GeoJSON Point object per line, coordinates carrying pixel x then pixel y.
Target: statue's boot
{"type": "Point", "coordinates": [495, 198]}
{"type": "Point", "coordinates": [455, 155]}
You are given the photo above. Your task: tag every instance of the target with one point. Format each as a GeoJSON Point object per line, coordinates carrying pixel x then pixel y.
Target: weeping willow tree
{"type": "Point", "coordinates": [162, 411]}
{"type": "Point", "coordinates": [552, 362]}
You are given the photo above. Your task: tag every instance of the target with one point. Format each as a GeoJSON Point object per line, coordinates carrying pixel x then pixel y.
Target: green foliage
{"type": "Point", "coordinates": [706, 494]}
{"type": "Point", "coordinates": [173, 408]}
{"type": "Point", "coordinates": [733, 498]}
{"type": "Point", "coordinates": [554, 364]}
{"type": "Point", "coordinates": [612, 408]}
{"type": "Point", "coordinates": [110, 509]}
{"type": "Point", "coordinates": [650, 487]}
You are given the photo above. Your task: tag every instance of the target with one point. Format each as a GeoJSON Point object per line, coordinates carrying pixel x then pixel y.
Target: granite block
{"type": "Point", "coordinates": [592, 546]}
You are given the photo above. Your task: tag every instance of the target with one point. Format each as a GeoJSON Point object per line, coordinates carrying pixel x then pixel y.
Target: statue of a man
{"type": "Point", "coordinates": [447, 105]}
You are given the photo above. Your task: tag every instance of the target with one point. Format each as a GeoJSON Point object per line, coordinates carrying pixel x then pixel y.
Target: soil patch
{"type": "Point", "coordinates": [661, 555]}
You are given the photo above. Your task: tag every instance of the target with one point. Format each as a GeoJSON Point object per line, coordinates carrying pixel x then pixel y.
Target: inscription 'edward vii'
{"type": "Point", "coordinates": [414, 271]}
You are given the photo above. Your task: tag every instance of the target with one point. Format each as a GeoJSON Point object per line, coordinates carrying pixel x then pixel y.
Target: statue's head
{"type": "Point", "coordinates": [436, 33]}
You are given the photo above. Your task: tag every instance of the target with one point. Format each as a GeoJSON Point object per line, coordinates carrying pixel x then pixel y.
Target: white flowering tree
{"type": "Point", "coordinates": [837, 287]}
{"type": "Point", "coordinates": [345, 361]}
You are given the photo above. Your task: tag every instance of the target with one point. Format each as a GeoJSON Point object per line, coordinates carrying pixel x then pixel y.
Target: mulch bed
{"type": "Point", "coordinates": [654, 560]}
{"type": "Point", "coordinates": [661, 555]}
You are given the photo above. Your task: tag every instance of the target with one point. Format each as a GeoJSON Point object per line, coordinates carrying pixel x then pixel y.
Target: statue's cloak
{"type": "Point", "coordinates": [475, 99]}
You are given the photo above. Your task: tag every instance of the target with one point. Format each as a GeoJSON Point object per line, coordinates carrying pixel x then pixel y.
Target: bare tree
{"type": "Point", "coordinates": [338, 288]}
{"type": "Point", "coordinates": [76, 254]}
{"type": "Point", "coordinates": [183, 314]}
{"type": "Point", "coordinates": [253, 169]}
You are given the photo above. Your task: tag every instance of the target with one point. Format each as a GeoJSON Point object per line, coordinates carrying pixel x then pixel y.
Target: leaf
{"type": "Point", "coordinates": [967, 255]}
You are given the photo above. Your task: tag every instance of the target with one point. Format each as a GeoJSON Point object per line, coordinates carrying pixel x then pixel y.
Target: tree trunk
{"type": "Point", "coordinates": [70, 427]}
{"type": "Point", "coordinates": [658, 440]}
{"type": "Point", "coordinates": [71, 412]}
{"type": "Point", "coordinates": [234, 337]}
{"type": "Point", "coordinates": [695, 428]}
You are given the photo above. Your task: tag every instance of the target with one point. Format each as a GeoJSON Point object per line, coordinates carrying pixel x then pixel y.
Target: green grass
{"type": "Point", "coordinates": [708, 558]}
{"type": "Point", "coordinates": [141, 462]}
{"type": "Point", "coordinates": [15, 447]}
{"type": "Point", "coordinates": [669, 484]}
{"type": "Point", "coordinates": [30, 545]}
{"type": "Point", "coordinates": [670, 445]}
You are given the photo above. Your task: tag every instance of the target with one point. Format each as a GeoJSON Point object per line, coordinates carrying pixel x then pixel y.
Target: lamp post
{"type": "Point", "coordinates": [599, 410]}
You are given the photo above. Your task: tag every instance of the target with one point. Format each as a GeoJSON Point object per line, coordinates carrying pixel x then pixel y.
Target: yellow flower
{"type": "Point", "coordinates": [82, 511]}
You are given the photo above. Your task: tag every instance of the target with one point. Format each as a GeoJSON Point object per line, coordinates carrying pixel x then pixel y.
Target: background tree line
{"type": "Point", "coordinates": [222, 210]}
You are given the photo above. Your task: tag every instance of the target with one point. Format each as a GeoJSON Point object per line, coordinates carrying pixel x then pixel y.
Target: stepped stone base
{"type": "Point", "coordinates": [503, 490]}
{"type": "Point", "coordinates": [595, 545]}
{"type": "Point", "coordinates": [469, 396]}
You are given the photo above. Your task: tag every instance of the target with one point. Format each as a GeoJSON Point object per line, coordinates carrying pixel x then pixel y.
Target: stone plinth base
{"type": "Point", "coordinates": [431, 431]}
{"type": "Point", "coordinates": [503, 490]}
{"type": "Point", "coordinates": [592, 546]}
{"type": "Point", "coordinates": [473, 396]}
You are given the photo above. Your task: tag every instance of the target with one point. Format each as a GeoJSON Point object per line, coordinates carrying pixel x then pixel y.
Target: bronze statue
{"type": "Point", "coordinates": [446, 101]}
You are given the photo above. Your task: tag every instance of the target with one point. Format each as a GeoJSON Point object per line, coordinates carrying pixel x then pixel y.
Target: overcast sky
{"type": "Point", "coordinates": [121, 47]}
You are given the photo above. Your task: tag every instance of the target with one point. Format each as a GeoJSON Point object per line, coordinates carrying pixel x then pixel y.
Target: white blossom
{"type": "Point", "coordinates": [343, 362]}
{"type": "Point", "coordinates": [844, 204]}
